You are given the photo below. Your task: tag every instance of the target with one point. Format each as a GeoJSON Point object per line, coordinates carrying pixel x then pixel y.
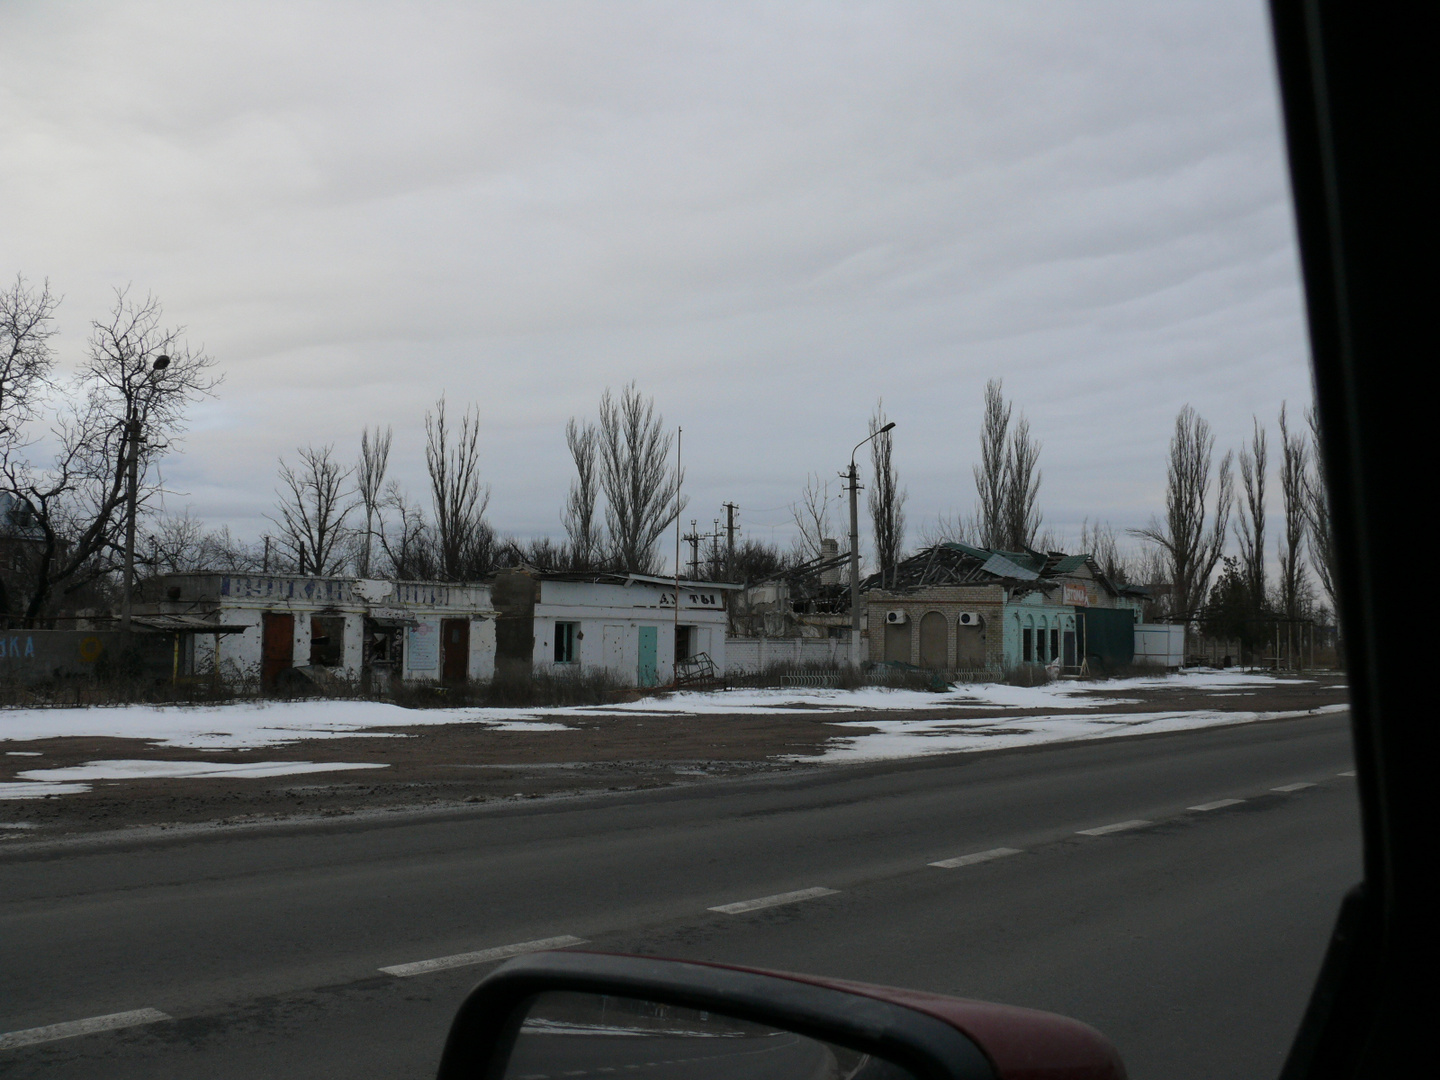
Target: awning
{"type": "Point", "coordinates": [184, 624]}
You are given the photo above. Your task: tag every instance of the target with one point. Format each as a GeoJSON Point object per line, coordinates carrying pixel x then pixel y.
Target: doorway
{"type": "Point", "coordinates": [645, 673]}
{"type": "Point", "coordinates": [277, 648]}
{"type": "Point", "coordinates": [454, 650]}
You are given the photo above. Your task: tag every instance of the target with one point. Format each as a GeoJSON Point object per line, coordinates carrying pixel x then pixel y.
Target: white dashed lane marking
{"type": "Point", "coordinates": [1287, 788]}
{"type": "Point", "coordinates": [772, 901]}
{"type": "Point", "coordinates": [1119, 826]}
{"type": "Point", "coordinates": [483, 956]}
{"type": "Point", "coordinates": [1218, 804]}
{"type": "Point", "coordinates": [110, 1022]}
{"type": "Point", "coordinates": [977, 857]}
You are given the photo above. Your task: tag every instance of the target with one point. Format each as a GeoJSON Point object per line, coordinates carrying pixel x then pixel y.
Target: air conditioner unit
{"type": "Point", "coordinates": [895, 618]}
{"type": "Point", "coordinates": [969, 618]}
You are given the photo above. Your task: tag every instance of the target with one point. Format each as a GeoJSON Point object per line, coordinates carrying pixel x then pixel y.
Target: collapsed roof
{"type": "Point", "coordinates": [952, 563]}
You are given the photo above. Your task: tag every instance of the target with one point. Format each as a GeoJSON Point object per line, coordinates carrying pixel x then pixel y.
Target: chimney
{"type": "Point", "coordinates": [828, 550]}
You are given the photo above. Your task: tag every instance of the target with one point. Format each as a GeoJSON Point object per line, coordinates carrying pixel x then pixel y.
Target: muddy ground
{"type": "Point", "coordinates": [458, 764]}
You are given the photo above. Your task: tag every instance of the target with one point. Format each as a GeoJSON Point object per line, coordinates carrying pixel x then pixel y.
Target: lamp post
{"type": "Point", "coordinates": [132, 482]}
{"type": "Point", "coordinates": [853, 483]}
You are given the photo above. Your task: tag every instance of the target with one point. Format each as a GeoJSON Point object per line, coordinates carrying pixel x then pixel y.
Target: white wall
{"type": "Point", "coordinates": [755, 654]}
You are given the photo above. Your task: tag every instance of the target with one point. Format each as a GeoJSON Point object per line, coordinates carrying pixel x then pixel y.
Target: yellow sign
{"type": "Point", "coordinates": [90, 649]}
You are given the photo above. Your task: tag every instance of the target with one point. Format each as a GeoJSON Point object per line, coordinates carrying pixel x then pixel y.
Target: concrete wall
{"type": "Point", "coordinates": [747, 654]}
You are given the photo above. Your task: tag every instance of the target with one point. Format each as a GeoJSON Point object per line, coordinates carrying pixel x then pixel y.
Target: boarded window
{"type": "Point", "coordinates": [327, 641]}
{"type": "Point", "coordinates": [565, 642]}
{"type": "Point", "coordinates": [934, 641]}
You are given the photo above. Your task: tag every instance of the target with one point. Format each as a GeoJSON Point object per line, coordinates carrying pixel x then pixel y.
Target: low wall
{"type": "Point", "coordinates": [747, 654]}
{"type": "Point", "coordinates": [34, 656]}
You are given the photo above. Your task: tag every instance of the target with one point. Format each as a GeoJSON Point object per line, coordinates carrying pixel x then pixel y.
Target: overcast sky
{"type": "Point", "coordinates": [768, 215]}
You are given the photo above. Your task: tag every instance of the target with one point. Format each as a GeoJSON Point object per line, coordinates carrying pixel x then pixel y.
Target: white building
{"type": "Point", "coordinates": [629, 624]}
{"type": "Point", "coordinates": [353, 628]}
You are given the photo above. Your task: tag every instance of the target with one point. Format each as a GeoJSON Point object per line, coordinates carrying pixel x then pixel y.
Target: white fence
{"type": "Point", "coordinates": [744, 654]}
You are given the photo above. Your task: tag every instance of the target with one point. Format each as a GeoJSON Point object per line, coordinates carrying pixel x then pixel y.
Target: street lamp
{"type": "Point", "coordinates": [132, 441]}
{"type": "Point", "coordinates": [854, 485]}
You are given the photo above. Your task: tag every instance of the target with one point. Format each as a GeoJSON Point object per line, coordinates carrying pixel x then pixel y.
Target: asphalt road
{"type": "Point", "coordinates": [1190, 940]}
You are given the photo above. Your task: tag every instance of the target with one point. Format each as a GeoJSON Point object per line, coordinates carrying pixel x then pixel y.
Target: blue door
{"type": "Point", "coordinates": [645, 676]}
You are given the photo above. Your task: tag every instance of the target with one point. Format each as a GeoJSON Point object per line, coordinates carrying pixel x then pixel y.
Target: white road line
{"type": "Point", "coordinates": [978, 857]}
{"type": "Point", "coordinates": [484, 956]}
{"type": "Point", "coordinates": [111, 1022]}
{"type": "Point", "coordinates": [1119, 826]}
{"type": "Point", "coordinates": [1218, 804]}
{"type": "Point", "coordinates": [1287, 788]}
{"type": "Point", "coordinates": [1350, 772]}
{"type": "Point", "coordinates": [772, 901]}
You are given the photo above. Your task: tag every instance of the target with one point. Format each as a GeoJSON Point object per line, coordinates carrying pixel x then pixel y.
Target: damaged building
{"type": "Point", "coordinates": [970, 610]}
{"type": "Point", "coordinates": [627, 624]}
{"type": "Point", "coordinates": [366, 631]}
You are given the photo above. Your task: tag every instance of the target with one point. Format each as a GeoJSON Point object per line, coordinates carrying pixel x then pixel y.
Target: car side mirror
{"type": "Point", "coordinates": [570, 1014]}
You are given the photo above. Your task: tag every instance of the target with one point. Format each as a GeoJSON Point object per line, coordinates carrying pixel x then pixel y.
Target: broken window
{"type": "Point", "coordinates": [327, 641]}
{"type": "Point", "coordinates": [684, 642]}
{"type": "Point", "coordinates": [565, 634]}
{"type": "Point", "coordinates": [1027, 645]}
{"type": "Point", "coordinates": [1054, 643]}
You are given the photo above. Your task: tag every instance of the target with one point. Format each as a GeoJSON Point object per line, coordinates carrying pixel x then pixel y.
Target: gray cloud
{"type": "Point", "coordinates": [767, 214]}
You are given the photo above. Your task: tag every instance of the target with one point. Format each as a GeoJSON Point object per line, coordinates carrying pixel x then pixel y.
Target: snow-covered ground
{"type": "Point", "coordinates": [255, 725]}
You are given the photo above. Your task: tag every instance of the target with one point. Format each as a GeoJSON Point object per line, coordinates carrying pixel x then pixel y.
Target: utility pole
{"type": "Point", "coordinates": [132, 485]}
{"type": "Point", "coordinates": [693, 539]}
{"type": "Point", "coordinates": [852, 483]}
{"type": "Point", "coordinates": [730, 509]}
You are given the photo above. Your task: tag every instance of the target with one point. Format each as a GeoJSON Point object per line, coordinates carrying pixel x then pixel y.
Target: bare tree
{"type": "Point", "coordinates": [27, 323]}
{"type": "Point", "coordinates": [642, 490]}
{"type": "Point", "coordinates": [369, 486]}
{"type": "Point", "coordinates": [1007, 479]}
{"type": "Point", "coordinates": [459, 498]}
{"type": "Point", "coordinates": [408, 544]}
{"type": "Point", "coordinates": [1022, 487]}
{"type": "Point", "coordinates": [1317, 514]}
{"type": "Point", "coordinates": [1099, 542]}
{"type": "Point", "coordinates": [313, 505]}
{"type": "Point", "coordinates": [1191, 549]}
{"type": "Point", "coordinates": [581, 525]}
{"type": "Point", "coordinates": [952, 528]}
{"type": "Point", "coordinates": [886, 498]}
{"type": "Point", "coordinates": [1250, 524]}
{"type": "Point", "coordinates": [812, 518]}
{"type": "Point", "coordinates": [77, 504]}
{"type": "Point", "coordinates": [990, 478]}
{"type": "Point", "coordinates": [1294, 471]}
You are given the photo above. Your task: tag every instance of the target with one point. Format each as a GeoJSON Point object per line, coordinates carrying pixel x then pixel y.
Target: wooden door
{"type": "Point", "coordinates": [277, 648]}
{"type": "Point", "coordinates": [454, 650]}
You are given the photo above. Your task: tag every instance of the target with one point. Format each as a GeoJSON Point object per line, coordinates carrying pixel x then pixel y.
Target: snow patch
{"type": "Point", "coordinates": [188, 770]}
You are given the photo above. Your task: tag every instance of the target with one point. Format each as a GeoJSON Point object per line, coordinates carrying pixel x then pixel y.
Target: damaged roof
{"type": "Point", "coordinates": [952, 563]}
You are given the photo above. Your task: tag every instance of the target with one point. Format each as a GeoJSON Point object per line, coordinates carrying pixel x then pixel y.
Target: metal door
{"type": "Point", "coordinates": [454, 650]}
{"type": "Point", "coordinates": [645, 674]}
{"type": "Point", "coordinates": [277, 648]}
